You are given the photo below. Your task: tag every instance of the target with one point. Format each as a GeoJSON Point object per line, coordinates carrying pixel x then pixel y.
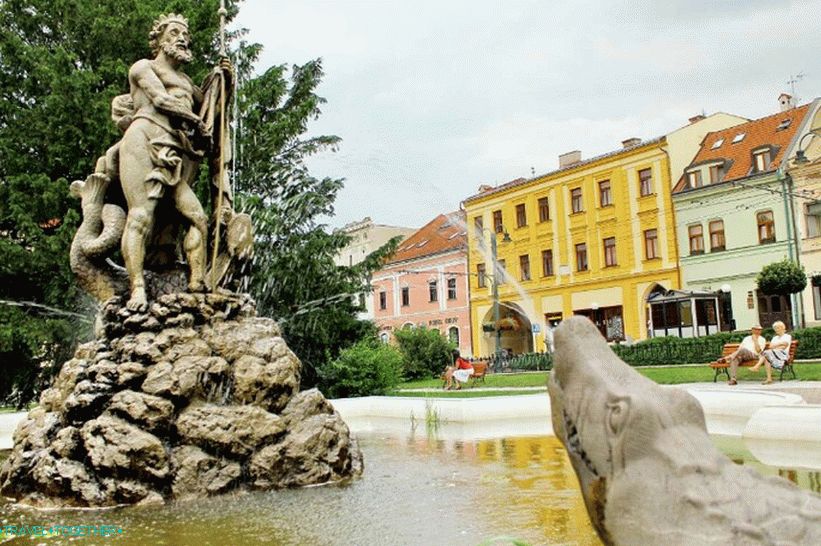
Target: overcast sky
{"type": "Point", "coordinates": [434, 98]}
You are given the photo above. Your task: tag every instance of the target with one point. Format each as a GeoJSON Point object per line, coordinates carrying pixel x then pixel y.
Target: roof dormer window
{"type": "Point", "coordinates": [717, 144]}
{"type": "Point", "coordinates": [761, 160]}
{"type": "Point", "coordinates": [739, 137]}
{"type": "Point", "coordinates": [694, 178]}
{"type": "Point", "coordinates": [783, 125]}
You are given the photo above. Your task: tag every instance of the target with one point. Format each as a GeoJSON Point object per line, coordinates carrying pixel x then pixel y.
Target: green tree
{"type": "Point", "coordinates": [61, 63]}
{"type": "Point", "coordinates": [425, 353]}
{"type": "Point", "coordinates": [782, 278]}
{"type": "Point", "coordinates": [294, 277]}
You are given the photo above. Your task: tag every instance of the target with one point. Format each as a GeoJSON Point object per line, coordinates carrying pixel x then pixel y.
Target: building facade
{"type": "Point", "coordinates": [425, 284]}
{"type": "Point", "coordinates": [367, 237]}
{"type": "Point", "coordinates": [805, 175]}
{"type": "Point", "coordinates": [593, 238]}
{"type": "Point", "coordinates": [734, 216]}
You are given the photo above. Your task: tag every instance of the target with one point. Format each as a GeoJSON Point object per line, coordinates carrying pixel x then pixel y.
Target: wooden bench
{"type": "Point", "coordinates": [730, 348]}
{"type": "Point", "coordinates": [480, 369]}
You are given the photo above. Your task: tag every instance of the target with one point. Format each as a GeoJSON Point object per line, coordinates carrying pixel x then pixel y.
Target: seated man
{"type": "Point", "coordinates": [751, 348]}
{"type": "Point", "coordinates": [461, 370]}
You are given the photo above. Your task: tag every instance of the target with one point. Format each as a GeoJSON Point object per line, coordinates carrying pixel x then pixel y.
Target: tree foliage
{"type": "Point", "coordinates": [294, 277]}
{"type": "Point", "coordinates": [61, 63]}
{"type": "Point", "coordinates": [782, 278]}
{"type": "Point", "coordinates": [425, 353]}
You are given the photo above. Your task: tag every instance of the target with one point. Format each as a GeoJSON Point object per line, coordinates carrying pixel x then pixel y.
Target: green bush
{"type": "Point", "coordinates": [425, 353]}
{"type": "Point", "coordinates": [676, 350]}
{"type": "Point", "coordinates": [368, 367]}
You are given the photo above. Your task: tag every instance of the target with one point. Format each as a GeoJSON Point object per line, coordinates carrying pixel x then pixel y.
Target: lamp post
{"type": "Point", "coordinates": [495, 288]}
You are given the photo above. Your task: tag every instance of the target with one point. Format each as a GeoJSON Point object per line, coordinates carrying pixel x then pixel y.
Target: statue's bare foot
{"type": "Point", "coordinates": [138, 301]}
{"type": "Point", "coordinates": [197, 286]}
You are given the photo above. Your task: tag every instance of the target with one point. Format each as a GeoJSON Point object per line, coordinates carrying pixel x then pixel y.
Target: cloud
{"type": "Point", "coordinates": [434, 98]}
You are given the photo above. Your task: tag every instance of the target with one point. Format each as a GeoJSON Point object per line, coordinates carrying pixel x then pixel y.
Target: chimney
{"type": "Point", "coordinates": [630, 142]}
{"type": "Point", "coordinates": [785, 102]}
{"type": "Point", "coordinates": [697, 117]}
{"type": "Point", "coordinates": [570, 158]}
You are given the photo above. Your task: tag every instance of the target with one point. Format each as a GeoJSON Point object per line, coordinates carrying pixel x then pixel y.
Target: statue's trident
{"type": "Point", "coordinates": [218, 213]}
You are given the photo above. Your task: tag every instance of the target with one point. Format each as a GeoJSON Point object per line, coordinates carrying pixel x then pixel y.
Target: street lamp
{"type": "Point", "coordinates": [495, 287]}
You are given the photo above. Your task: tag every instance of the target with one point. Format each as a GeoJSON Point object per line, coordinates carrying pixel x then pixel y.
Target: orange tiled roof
{"type": "Point", "coordinates": [443, 233]}
{"type": "Point", "coordinates": [738, 157]}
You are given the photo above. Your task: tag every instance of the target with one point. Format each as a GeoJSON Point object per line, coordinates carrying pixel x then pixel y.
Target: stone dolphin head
{"type": "Point", "coordinates": [608, 416]}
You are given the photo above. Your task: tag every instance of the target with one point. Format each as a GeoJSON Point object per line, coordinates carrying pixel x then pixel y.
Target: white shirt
{"type": "Point", "coordinates": [781, 339]}
{"type": "Point", "coordinates": [750, 345]}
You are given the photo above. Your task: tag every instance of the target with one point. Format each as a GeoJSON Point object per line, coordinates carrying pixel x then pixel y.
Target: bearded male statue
{"type": "Point", "coordinates": [170, 126]}
{"type": "Point", "coordinates": [160, 153]}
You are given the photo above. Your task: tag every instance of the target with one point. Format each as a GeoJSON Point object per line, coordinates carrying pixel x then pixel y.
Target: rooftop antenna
{"type": "Point", "coordinates": [792, 81]}
{"type": "Point", "coordinates": [533, 172]}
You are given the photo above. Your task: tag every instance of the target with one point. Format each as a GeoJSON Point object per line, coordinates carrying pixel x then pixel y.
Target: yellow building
{"type": "Point", "coordinates": [595, 237]}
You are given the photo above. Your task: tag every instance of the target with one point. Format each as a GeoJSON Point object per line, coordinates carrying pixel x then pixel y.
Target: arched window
{"type": "Point", "coordinates": [384, 337]}
{"type": "Point", "coordinates": [453, 335]}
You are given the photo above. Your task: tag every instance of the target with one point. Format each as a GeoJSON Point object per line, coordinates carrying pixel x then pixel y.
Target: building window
{"type": "Point", "coordinates": [716, 174]}
{"type": "Point", "coordinates": [405, 296]}
{"type": "Point", "coordinates": [524, 266]}
{"type": "Point", "coordinates": [521, 215]}
{"type": "Point", "coordinates": [576, 204]}
{"type": "Point", "coordinates": [696, 234]}
{"type": "Point", "coordinates": [385, 337]}
{"type": "Point", "coordinates": [544, 210]}
{"type": "Point", "coordinates": [451, 289]}
{"type": "Point", "coordinates": [383, 300]}
{"type": "Point", "coordinates": [605, 198]}
{"type": "Point", "coordinates": [453, 335]}
{"type": "Point", "coordinates": [497, 221]}
{"type": "Point", "coordinates": [651, 244]}
{"type": "Point", "coordinates": [717, 235]}
{"type": "Point", "coordinates": [610, 252]}
{"type": "Point", "coordinates": [479, 225]}
{"type": "Point", "coordinates": [480, 275]}
{"type": "Point", "coordinates": [816, 300]}
{"type": "Point", "coordinates": [766, 227]}
{"type": "Point", "coordinates": [645, 182]}
{"type": "Point", "coordinates": [581, 257]}
{"type": "Point", "coordinates": [814, 220]}
{"type": "Point", "coordinates": [694, 178]}
{"type": "Point", "coordinates": [433, 291]}
{"type": "Point", "coordinates": [501, 270]}
{"type": "Point", "coordinates": [547, 263]}
{"type": "Point", "coordinates": [761, 160]}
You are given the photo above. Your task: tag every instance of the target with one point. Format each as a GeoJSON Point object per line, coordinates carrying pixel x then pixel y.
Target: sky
{"type": "Point", "coordinates": [434, 98]}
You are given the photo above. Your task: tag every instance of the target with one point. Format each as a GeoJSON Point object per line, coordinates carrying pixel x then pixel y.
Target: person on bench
{"type": "Point", "coordinates": [777, 354]}
{"type": "Point", "coordinates": [750, 348]}
{"type": "Point", "coordinates": [461, 371]}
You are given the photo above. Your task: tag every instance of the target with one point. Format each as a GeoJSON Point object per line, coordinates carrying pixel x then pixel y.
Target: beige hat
{"type": "Point", "coordinates": [756, 327]}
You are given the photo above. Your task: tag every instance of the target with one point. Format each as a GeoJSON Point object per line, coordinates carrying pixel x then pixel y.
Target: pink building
{"type": "Point", "coordinates": [426, 283]}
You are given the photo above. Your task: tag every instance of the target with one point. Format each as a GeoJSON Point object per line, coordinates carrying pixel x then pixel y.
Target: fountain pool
{"type": "Point", "coordinates": [418, 488]}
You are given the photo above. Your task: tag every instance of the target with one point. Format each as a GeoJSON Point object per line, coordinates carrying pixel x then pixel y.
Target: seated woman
{"type": "Point", "coordinates": [777, 354]}
{"type": "Point", "coordinates": [461, 371]}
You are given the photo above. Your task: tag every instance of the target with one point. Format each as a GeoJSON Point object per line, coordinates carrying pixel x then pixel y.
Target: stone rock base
{"type": "Point", "coordinates": [195, 397]}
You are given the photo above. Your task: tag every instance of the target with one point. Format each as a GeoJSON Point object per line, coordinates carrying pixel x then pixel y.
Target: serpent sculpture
{"type": "Point", "coordinates": [648, 471]}
{"type": "Point", "coordinates": [98, 235]}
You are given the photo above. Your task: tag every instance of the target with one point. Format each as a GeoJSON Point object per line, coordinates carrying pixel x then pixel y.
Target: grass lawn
{"type": "Point", "coordinates": [666, 376]}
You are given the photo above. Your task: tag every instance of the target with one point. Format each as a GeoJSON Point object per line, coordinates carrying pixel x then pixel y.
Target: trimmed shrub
{"type": "Point", "coordinates": [675, 350]}
{"type": "Point", "coordinates": [425, 353]}
{"type": "Point", "coordinates": [368, 367]}
{"type": "Point", "coordinates": [782, 278]}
